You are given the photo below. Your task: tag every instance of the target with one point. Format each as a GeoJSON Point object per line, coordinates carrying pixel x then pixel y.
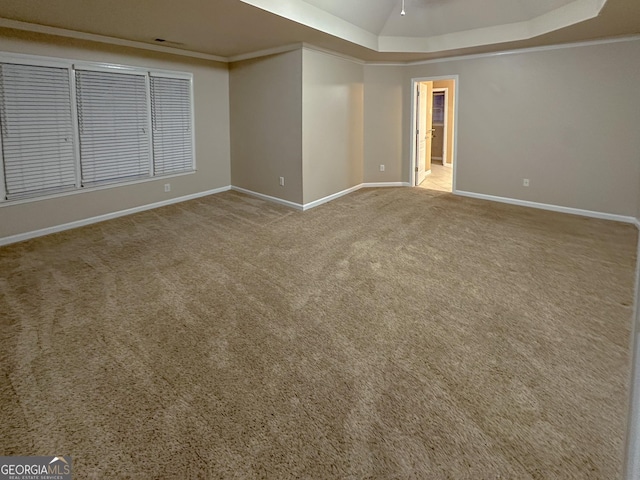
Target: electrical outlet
{"type": "Point", "coordinates": [382, 168]}
{"type": "Point", "coordinates": [525, 182]}
{"type": "Point", "coordinates": [167, 187]}
{"type": "Point", "coordinates": [282, 181]}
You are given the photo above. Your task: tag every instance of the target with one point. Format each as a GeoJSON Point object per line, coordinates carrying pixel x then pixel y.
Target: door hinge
{"type": "Point", "coordinates": [416, 169]}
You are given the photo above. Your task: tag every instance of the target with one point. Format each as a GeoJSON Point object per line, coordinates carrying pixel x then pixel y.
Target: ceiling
{"type": "Point", "coordinates": [371, 30]}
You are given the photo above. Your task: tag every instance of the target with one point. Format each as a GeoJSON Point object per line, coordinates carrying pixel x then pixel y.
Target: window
{"type": "Point", "coordinates": [171, 120]}
{"type": "Point", "coordinates": [67, 127]}
{"type": "Point", "coordinates": [438, 107]}
{"type": "Point", "coordinates": [37, 130]}
{"type": "Point", "coordinates": [114, 131]}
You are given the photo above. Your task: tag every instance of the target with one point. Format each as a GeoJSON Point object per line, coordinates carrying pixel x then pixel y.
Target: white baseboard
{"type": "Point", "coordinates": [385, 184]}
{"type": "Point", "coordinates": [269, 198]}
{"type": "Point", "coordinates": [107, 216]}
{"type": "Point", "coordinates": [320, 201]}
{"type": "Point", "coordinates": [297, 206]}
{"type": "Point", "coordinates": [121, 213]}
{"type": "Point", "coordinates": [328, 198]}
{"type": "Point", "coordinates": [553, 208]}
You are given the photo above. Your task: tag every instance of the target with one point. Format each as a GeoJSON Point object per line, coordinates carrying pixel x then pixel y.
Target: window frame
{"type": "Point", "coordinates": [179, 76]}
{"type": "Point", "coordinates": [99, 155]}
{"type": "Point", "coordinates": [72, 66]}
{"type": "Point", "coordinates": [3, 188]}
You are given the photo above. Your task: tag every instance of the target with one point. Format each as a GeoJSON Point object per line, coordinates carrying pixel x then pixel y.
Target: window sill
{"type": "Point", "coordinates": [7, 203]}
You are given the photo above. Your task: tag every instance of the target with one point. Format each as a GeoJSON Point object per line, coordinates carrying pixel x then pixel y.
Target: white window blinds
{"type": "Point", "coordinates": [37, 130]}
{"type": "Point", "coordinates": [66, 126]}
{"type": "Point", "coordinates": [171, 120]}
{"type": "Point", "coordinates": [113, 119]}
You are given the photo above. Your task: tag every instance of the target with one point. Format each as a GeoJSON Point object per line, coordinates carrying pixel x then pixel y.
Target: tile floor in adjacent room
{"type": "Point", "coordinates": [441, 178]}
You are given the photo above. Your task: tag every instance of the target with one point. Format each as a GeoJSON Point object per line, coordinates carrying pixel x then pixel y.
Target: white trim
{"type": "Point", "coordinates": [63, 32]}
{"type": "Point", "coordinates": [60, 62]}
{"type": "Point", "coordinates": [3, 190]}
{"type": "Point", "coordinates": [107, 216]}
{"type": "Point", "coordinates": [47, 30]}
{"type": "Point", "coordinates": [169, 74]}
{"type": "Point", "coordinates": [35, 60]}
{"type": "Point", "coordinates": [73, 96]}
{"type": "Point", "coordinates": [269, 198]}
{"type": "Point", "coordinates": [192, 106]}
{"type": "Point", "coordinates": [265, 53]}
{"type": "Point", "coordinates": [320, 201]}
{"type": "Point", "coordinates": [111, 68]}
{"type": "Point", "coordinates": [472, 56]}
{"type": "Point", "coordinates": [548, 206]}
{"type": "Point", "coordinates": [307, 206]}
{"type": "Point", "coordinates": [307, 46]}
{"type": "Point", "coordinates": [290, 48]}
{"type": "Point", "coordinates": [516, 51]}
{"type": "Point", "coordinates": [9, 203]}
{"type": "Point", "coordinates": [328, 198]}
{"type": "Point", "coordinates": [385, 184]}
{"type": "Point", "coordinates": [152, 158]}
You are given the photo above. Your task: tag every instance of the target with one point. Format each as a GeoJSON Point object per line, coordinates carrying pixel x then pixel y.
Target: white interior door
{"type": "Point", "coordinates": [424, 130]}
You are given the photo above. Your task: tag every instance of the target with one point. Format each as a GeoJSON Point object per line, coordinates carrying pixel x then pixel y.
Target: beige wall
{"type": "Point", "coordinates": [332, 119]}
{"type": "Point", "coordinates": [298, 115]}
{"type": "Point", "coordinates": [266, 125]}
{"type": "Point", "coordinates": [450, 85]}
{"type": "Point", "coordinates": [211, 101]}
{"type": "Point", "coordinates": [385, 122]}
{"type": "Point", "coordinates": [564, 118]}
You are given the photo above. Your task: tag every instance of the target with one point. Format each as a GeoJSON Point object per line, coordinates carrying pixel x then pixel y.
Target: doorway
{"type": "Point", "coordinates": [433, 140]}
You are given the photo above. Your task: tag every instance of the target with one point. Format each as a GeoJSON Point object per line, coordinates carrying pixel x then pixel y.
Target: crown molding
{"type": "Point", "coordinates": [63, 32]}
{"type": "Point", "coordinates": [265, 53]}
{"type": "Point", "coordinates": [515, 51]}
{"type": "Point", "coordinates": [307, 46]}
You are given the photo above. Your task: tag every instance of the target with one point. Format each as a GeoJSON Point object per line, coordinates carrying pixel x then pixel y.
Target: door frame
{"type": "Point", "coordinates": [445, 122]}
{"type": "Point", "coordinates": [427, 134]}
{"type": "Point", "coordinates": [413, 123]}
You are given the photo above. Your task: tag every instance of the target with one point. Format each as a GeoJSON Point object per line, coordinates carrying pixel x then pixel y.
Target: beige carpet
{"type": "Point", "coordinates": [393, 333]}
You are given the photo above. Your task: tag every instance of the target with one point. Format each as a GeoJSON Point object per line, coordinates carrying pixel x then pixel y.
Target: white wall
{"type": "Point", "coordinates": [332, 124]}
{"type": "Point", "coordinates": [564, 118]}
{"type": "Point", "coordinates": [266, 125]}
{"type": "Point", "coordinates": [211, 103]}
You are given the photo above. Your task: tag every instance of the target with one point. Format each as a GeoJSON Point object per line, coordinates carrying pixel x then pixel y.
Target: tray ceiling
{"type": "Point", "coordinates": [433, 25]}
{"type": "Point", "coordinates": [371, 30]}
